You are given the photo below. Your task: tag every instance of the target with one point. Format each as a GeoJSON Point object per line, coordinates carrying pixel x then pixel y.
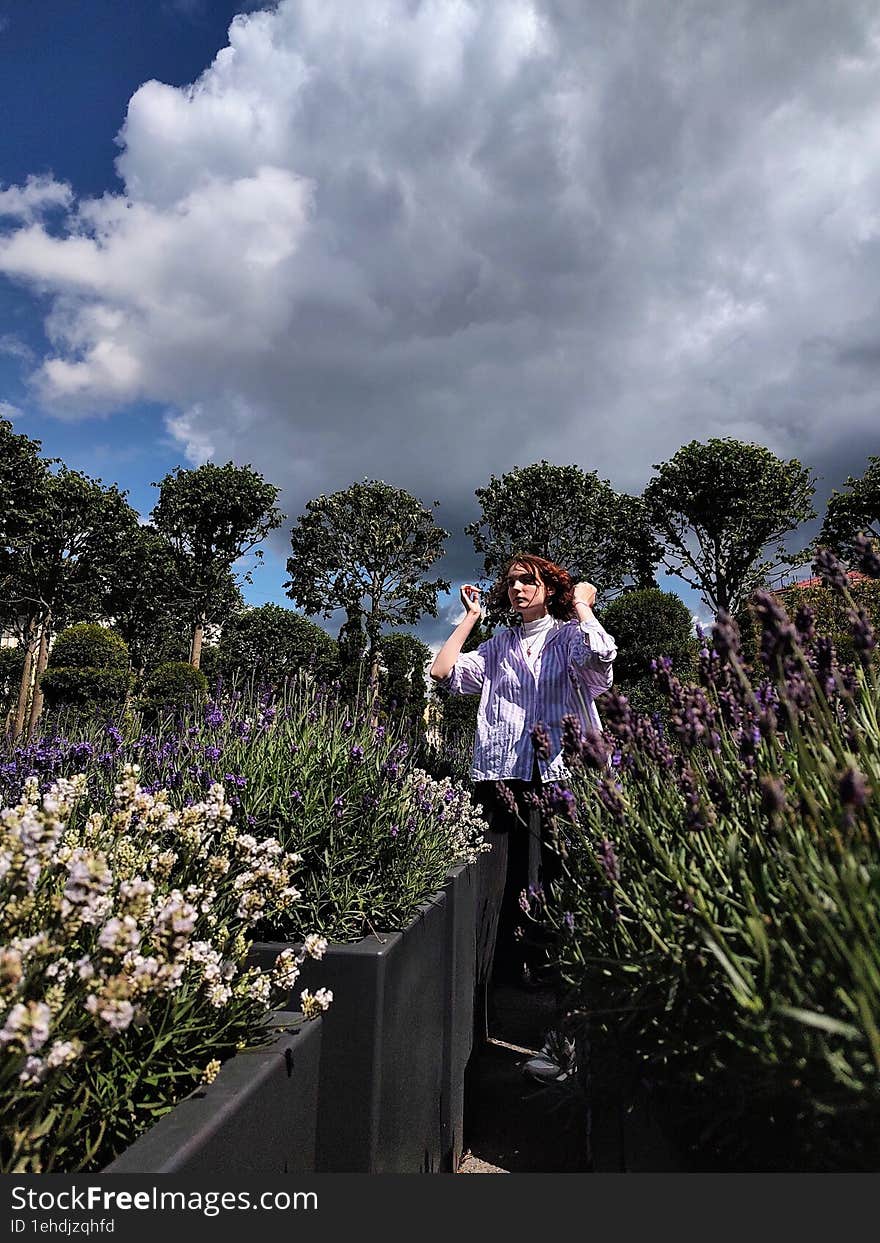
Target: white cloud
{"type": "Point", "coordinates": [427, 241]}
{"type": "Point", "coordinates": [8, 411]}
{"type": "Point", "coordinates": [13, 347]}
{"type": "Point", "coordinates": [37, 195]}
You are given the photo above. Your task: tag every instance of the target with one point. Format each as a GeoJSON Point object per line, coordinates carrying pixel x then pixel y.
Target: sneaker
{"type": "Point", "coordinates": [556, 1061]}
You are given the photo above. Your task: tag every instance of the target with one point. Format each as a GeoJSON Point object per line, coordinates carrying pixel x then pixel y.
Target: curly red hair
{"type": "Point", "coordinates": [559, 584]}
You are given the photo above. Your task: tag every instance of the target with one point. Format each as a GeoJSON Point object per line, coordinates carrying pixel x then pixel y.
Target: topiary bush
{"type": "Point", "coordinates": [87, 646]}
{"type": "Point", "coordinates": [87, 670]}
{"type": "Point", "coordinates": [173, 686]}
{"type": "Point", "coordinates": [270, 644]}
{"type": "Point", "coordinates": [647, 624]}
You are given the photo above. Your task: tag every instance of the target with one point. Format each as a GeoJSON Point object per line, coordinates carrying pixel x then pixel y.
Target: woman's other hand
{"type": "Point", "coordinates": [470, 598]}
{"type": "Point", "coordinates": [585, 593]}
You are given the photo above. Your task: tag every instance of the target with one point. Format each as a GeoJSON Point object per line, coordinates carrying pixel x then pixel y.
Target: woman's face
{"type": "Point", "coordinates": [526, 592]}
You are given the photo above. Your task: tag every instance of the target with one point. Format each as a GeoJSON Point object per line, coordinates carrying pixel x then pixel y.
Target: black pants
{"type": "Point", "coordinates": [521, 859]}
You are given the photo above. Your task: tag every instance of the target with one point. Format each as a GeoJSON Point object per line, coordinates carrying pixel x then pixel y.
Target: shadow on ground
{"type": "Point", "coordinates": [514, 1124]}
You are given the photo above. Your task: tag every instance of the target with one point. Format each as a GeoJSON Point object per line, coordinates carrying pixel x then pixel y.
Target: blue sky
{"type": "Point", "coordinates": [427, 241]}
{"type": "Point", "coordinates": [67, 72]}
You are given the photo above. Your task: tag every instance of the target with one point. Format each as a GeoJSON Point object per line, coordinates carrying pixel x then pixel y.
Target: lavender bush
{"type": "Point", "coordinates": [123, 938]}
{"type": "Point", "coordinates": [376, 832]}
{"type": "Point", "coordinates": [719, 912]}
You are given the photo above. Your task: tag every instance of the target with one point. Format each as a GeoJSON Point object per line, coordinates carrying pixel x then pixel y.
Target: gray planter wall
{"type": "Point", "coordinates": [258, 1117]}
{"type": "Point", "coordinates": [386, 1051]}
{"type": "Point", "coordinates": [460, 982]}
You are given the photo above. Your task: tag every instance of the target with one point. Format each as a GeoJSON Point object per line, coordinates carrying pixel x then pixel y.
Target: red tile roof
{"type": "Point", "coordinates": [854, 576]}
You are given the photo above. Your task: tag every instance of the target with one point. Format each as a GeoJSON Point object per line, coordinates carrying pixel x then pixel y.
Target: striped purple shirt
{"type": "Point", "coordinates": [575, 667]}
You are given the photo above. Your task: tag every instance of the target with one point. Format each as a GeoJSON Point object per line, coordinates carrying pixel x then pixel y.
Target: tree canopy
{"type": "Point", "coordinates": [22, 475]}
{"type": "Point", "coordinates": [849, 513]}
{"type": "Point", "coordinates": [62, 567]}
{"type": "Point", "coordinates": [721, 510]}
{"type": "Point", "coordinates": [151, 603]}
{"type": "Point", "coordinates": [366, 550]}
{"type": "Point", "coordinates": [213, 515]}
{"type": "Point", "coordinates": [570, 516]}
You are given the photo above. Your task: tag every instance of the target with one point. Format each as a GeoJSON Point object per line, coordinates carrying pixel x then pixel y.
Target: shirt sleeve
{"type": "Point", "coordinates": [592, 651]}
{"type": "Point", "coordinates": [467, 674]}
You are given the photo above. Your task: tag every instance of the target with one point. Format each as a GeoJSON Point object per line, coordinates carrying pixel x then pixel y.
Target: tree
{"type": "Point", "coordinates": [22, 475]}
{"type": "Point", "coordinates": [718, 508]}
{"type": "Point", "coordinates": [62, 568]}
{"type": "Point", "coordinates": [213, 516]}
{"type": "Point", "coordinates": [849, 513]}
{"type": "Point", "coordinates": [402, 684]}
{"type": "Point", "coordinates": [271, 643]}
{"type": "Point", "coordinates": [570, 516]}
{"type": "Point", "coordinates": [366, 550]}
{"type": "Point", "coordinates": [151, 605]}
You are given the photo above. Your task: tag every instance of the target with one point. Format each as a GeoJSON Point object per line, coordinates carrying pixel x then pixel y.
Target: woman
{"type": "Point", "coordinates": [529, 677]}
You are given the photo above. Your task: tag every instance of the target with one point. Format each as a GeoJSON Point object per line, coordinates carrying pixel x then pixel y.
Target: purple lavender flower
{"type": "Point", "coordinates": [571, 737]}
{"type": "Point", "coordinates": [778, 635]}
{"type": "Point", "coordinates": [853, 787]}
{"type": "Point", "coordinates": [725, 636]}
{"type": "Point", "coordinates": [831, 571]}
{"type": "Point", "coordinates": [356, 753]}
{"type": "Point", "coordinates": [561, 801]}
{"type": "Point", "coordinates": [618, 714]}
{"type": "Point", "coordinates": [866, 557]}
{"type": "Point", "coordinates": [338, 808]}
{"type": "Point", "coordinates": [805, 624]}
{"type": "Point", "coordinates": [506, 797]}
{"type": "Point", "coordinates": [864, 641]}
{"type": "Point", "coordinates": [608, 859]}
{"type": "Point", "coordinates": [595, 749]}
{"type": "Point", "coordinates": [773, 801]}
{"type": "Point", "coordinates": [608, 793]}
{"type": "Point", "coordinates": [541, 741]}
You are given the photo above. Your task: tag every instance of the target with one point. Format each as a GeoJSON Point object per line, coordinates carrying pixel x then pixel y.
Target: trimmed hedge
{"type": "Point", "coordinates": [174, 685]}
{"type": "Point", "coordinates": [91, 690]}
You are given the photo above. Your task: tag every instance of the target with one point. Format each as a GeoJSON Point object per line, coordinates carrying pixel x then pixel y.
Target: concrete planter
{"type": "Point", "coordinates": [258, 1117]}
{"type": "Point", "coordinates": [459, 985]}
{"type": "Point", "coordinates": [389, 1063]}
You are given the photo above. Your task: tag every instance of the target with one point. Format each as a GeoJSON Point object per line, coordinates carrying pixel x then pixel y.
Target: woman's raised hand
{"type": "Point", "coordinates": [470, 598]}
{"type": "Point", "coordinates": [585, 593]}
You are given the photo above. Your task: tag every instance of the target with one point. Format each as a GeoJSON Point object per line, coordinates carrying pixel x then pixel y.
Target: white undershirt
{"type": "Point", "coordinates": [533, 637]}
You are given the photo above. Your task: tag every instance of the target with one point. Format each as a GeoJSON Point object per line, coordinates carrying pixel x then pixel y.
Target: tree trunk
{"type": "Point", "coordinates": [42, 661]}
{"type": "Point", "coordinates": [24, 686]}
{"type": "Point", "coordinates": [373, 701]}
{"type": "Point", "coordinates": [195, 651]}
